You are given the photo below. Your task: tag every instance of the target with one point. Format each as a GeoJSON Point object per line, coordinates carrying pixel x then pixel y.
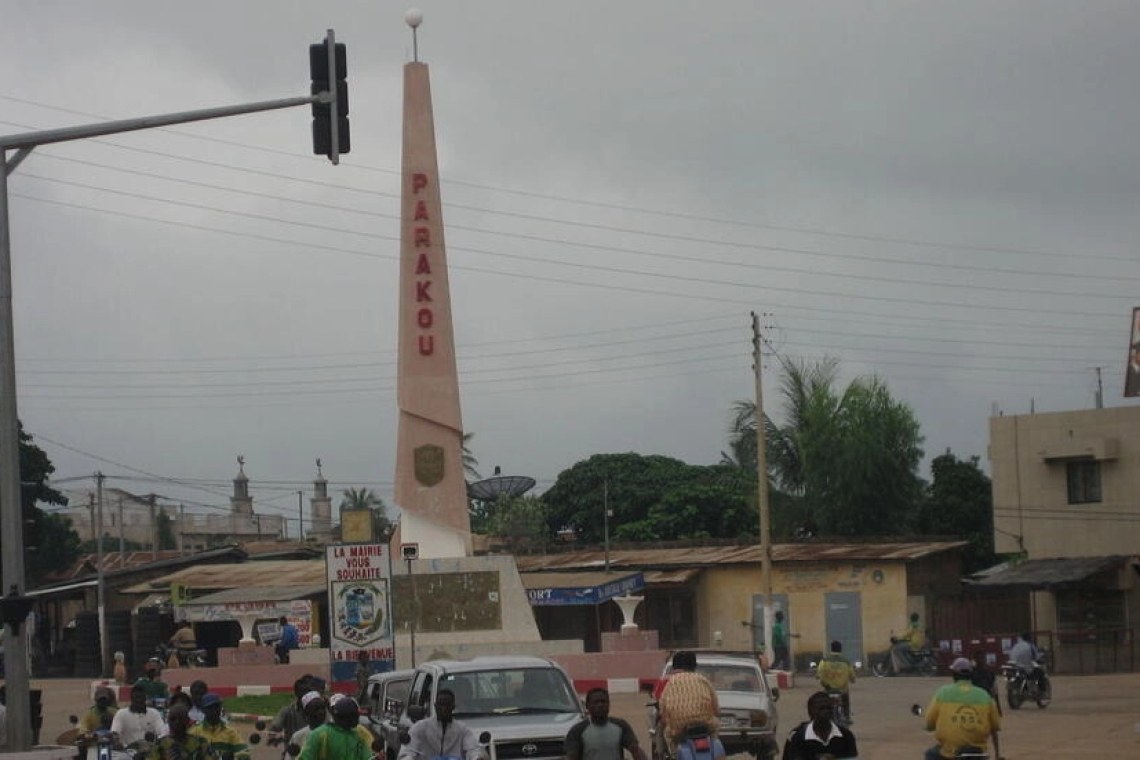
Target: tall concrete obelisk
{"type": "Point", "coordinates": [430, 488]}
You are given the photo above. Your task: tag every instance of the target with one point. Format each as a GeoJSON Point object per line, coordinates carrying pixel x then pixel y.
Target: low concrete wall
{"type": "Point", "coordinates": [598, 668]}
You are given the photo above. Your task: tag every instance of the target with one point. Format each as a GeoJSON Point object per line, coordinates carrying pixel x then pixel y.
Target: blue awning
{"type": "Point", "coordinates": [564, 589]}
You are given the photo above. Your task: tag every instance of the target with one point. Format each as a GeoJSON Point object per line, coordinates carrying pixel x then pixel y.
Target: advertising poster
{"type": "Point", "coordinates": [360, 616]}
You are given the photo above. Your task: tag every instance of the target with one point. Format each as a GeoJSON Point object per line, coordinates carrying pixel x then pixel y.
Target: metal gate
{"type": "Point", "coordinates": [843, 620]}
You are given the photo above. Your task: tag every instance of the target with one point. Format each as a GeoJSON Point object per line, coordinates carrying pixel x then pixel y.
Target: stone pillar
{"type": "Point", "coordinates": [430, 487]}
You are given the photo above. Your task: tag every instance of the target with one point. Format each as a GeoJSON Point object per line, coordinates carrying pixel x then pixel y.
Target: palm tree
{"type": "Point", "coordinates": [808, 394]}
{"type": "Point", "coordinates": [470, 463]}
{"type": "Point", "coordinates": [360, 498]}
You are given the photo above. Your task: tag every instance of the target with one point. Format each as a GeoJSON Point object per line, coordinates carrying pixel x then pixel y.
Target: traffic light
{"type": "Point", "coordinates": [327, 140]}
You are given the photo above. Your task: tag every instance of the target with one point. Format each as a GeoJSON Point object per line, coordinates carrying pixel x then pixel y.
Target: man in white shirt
{"type": "Point", "coordinates": [133, 724]}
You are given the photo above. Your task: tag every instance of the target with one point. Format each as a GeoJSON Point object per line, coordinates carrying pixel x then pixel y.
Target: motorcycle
{"type": "Point", "coordinates": [923, 663]}
{"type": "Point", "coordinates": [698, 744]}
{"type": "Point", "coordinates": [1021, 686]}
{"type": "Point", "coordinates": [838, 709]}
{"type": "Point", "coordinates": [195, 658]}
{"type": "Point", "coordinates": [963, 754]}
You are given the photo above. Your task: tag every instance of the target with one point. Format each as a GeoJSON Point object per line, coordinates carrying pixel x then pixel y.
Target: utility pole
{"type": "Point", "coordinates": [101, 586]}
{"type": "Point", "coordinates": [153, 529]}
{"type": "Point", "coordinates": [1099, 390]}
{"type": "Point", "coordinates": [182, 530]}
{"type": "Point", "coordinates": [122, 535]}
{"type": "Point", "coordinates": [762, 490]}
{"type": "Point", "coordinates": [606, 518]}
{"type": "Point", "coordinates": [300, 518]}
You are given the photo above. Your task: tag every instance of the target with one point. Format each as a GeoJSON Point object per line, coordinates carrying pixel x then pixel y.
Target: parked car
{"type": "Point", "coordinates": [748, 717]}
{"type": "Point", "coordinates": [385, 697]}
{"type": "Point", "coordinates": [526, 704]}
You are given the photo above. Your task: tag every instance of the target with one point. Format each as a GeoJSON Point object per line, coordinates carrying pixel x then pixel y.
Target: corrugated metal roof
{"type": "Point", "coordinates": [259, 594]}
{"type": "Point", "coordinates": [570, 580]}
{"type": "Point", "coordinates": [710, 556]}
{"type": "Point", "coordinates": [661, 577]}
{"type": "Point", "coordinates": [270, 573]}
{"type": "Point", "coordinates": [1057, 571]}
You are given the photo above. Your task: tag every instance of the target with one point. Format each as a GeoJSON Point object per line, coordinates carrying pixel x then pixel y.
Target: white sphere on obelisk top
{"type": "Point", "coordinates": [414, 17]}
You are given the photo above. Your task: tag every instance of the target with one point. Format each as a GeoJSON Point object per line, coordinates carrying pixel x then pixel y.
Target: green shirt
{"type": "Point", "coordinates": [331, 742]}
{"type": "Point", "coordinates": [154, 689]}
{"type": "Point", "coordinates": [779, 637]}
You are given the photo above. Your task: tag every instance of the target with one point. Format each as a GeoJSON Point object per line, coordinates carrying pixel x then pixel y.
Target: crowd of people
{"type": "Point", "coordinates": [965, 716]}
{"type": "Point", "coordinates": [314, 726]}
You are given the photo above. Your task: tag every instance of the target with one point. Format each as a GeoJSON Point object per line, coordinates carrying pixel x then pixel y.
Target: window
{"type": "Point", "coordinates": [1084, 482]}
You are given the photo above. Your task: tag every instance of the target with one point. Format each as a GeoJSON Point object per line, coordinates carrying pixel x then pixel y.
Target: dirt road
{"type": "Point", "coordinates": [1091, 716]}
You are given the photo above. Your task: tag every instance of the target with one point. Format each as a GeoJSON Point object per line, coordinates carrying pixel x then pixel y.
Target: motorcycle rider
{"type": "Point", "coordinates": [452, 737]}
{"type": "Point", "coordinates": [155, 688]}
{"type": "Point", "coordinates": [963, 717]}
{"type": "Point", "coordinates": [316, 713]}
{"type": "Point", "coordinates": [137, 724]}
{"type": "Point", "coordinates": [97, 718]}
{"type": "Point", "coordinates": [180, 743]}
{"type": "Point", "coordinates": [820, 736]}
{"type": "Point", "coordinates": [836, 674]}
{"type": "Point", "coordinates": [223, 738]}
{"type": "Point", "coordinates": [903, 646]}
{"type": "Point", "coordinates": [184, 642]}
{"type": "Point", "coordinates": [601, 737]}
{"type": "Point", "coordinates": [1025, 655]}
{"type": "Point", "coordinates": [688, 699]}
{"type": "Point", "coordinates": [291, 717]}
{"type": "Point", "coordinates": [984, 678]}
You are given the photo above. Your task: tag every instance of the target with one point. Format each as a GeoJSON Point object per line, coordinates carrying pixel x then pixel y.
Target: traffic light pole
{"type": "Point", "coordinates": [11, 509]}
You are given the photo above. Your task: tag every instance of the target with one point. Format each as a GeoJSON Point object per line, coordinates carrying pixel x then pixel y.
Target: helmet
{"type": "Point", "coordinates": [345, 706]}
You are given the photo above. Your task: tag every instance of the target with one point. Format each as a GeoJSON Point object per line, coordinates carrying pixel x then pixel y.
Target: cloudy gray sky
{"type": "Point", "coordinates": [941, 194]}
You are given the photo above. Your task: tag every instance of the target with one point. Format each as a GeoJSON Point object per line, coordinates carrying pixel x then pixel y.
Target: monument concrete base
{"type": "Point", "coordinates": [468, 607]}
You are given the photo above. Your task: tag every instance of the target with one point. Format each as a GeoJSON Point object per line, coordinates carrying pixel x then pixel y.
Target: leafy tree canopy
{"type": "Point", "coordinates": [366, 498]}
{"type": "Point", "coordinates": [850, 457]}
{"type": "Point", "coordinates": [50, 543]}
{"type": "Point", "coordinates": [651, 498]}
{"type": "Point", "coordinates": [959, 502]}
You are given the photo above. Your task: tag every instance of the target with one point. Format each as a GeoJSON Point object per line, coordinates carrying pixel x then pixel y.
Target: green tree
{"type": "Point", "coordinates": [850, 457]}
{"type": "Point", "coordinates": [647, 496]}
{"type": "Point", "coordinates": [50, 542]}
{"type": "Point", "coordinates": [111, 544]}
{"type": "Point", "coordinates": [166, 537]}
{"type": "Point", "coordinates": [520, 521]}
{"type": "Point", "coordinates": [959, 503]}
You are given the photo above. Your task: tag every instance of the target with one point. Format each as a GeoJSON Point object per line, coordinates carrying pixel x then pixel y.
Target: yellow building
{"type": "Point", "coordinates": [710, 596]}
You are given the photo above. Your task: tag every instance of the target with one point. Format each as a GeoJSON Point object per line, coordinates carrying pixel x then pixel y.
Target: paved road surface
{"type": "Point", "coordinates": [1091, 717]}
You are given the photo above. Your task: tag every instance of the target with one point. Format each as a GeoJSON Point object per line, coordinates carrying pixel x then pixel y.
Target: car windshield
{"type": "Point", "coordinates": [730, 677]}
{"type": "Point", "coordinates": [521, 690]}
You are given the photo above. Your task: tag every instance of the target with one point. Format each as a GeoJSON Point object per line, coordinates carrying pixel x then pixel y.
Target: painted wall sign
{"type": "Point", "coordinates": [360, 613]}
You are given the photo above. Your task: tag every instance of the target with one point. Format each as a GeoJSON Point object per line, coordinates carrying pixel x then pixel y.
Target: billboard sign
{"type": "Point", "coordinates": [360, 610]}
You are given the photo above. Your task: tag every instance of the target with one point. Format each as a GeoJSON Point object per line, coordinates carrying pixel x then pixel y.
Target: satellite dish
{"type": "Point", "coordinates": [491, 489]}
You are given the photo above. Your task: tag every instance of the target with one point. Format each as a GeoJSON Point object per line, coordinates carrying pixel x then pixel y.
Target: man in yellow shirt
{"type": "Point", "coordinates": [904, 645]}
{"type": "Point", "coordinates": [223, 738]}
{"type": "Point", "coordinates": [963, 717]}
{"type": "Point", "coordinates": [836, 674]}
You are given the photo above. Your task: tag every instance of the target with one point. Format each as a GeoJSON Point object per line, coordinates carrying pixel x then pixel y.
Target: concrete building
{"type": "Point", "coordinates": [1066, 495]}
{"type": "Point", "coordinates": [1067, 484]}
